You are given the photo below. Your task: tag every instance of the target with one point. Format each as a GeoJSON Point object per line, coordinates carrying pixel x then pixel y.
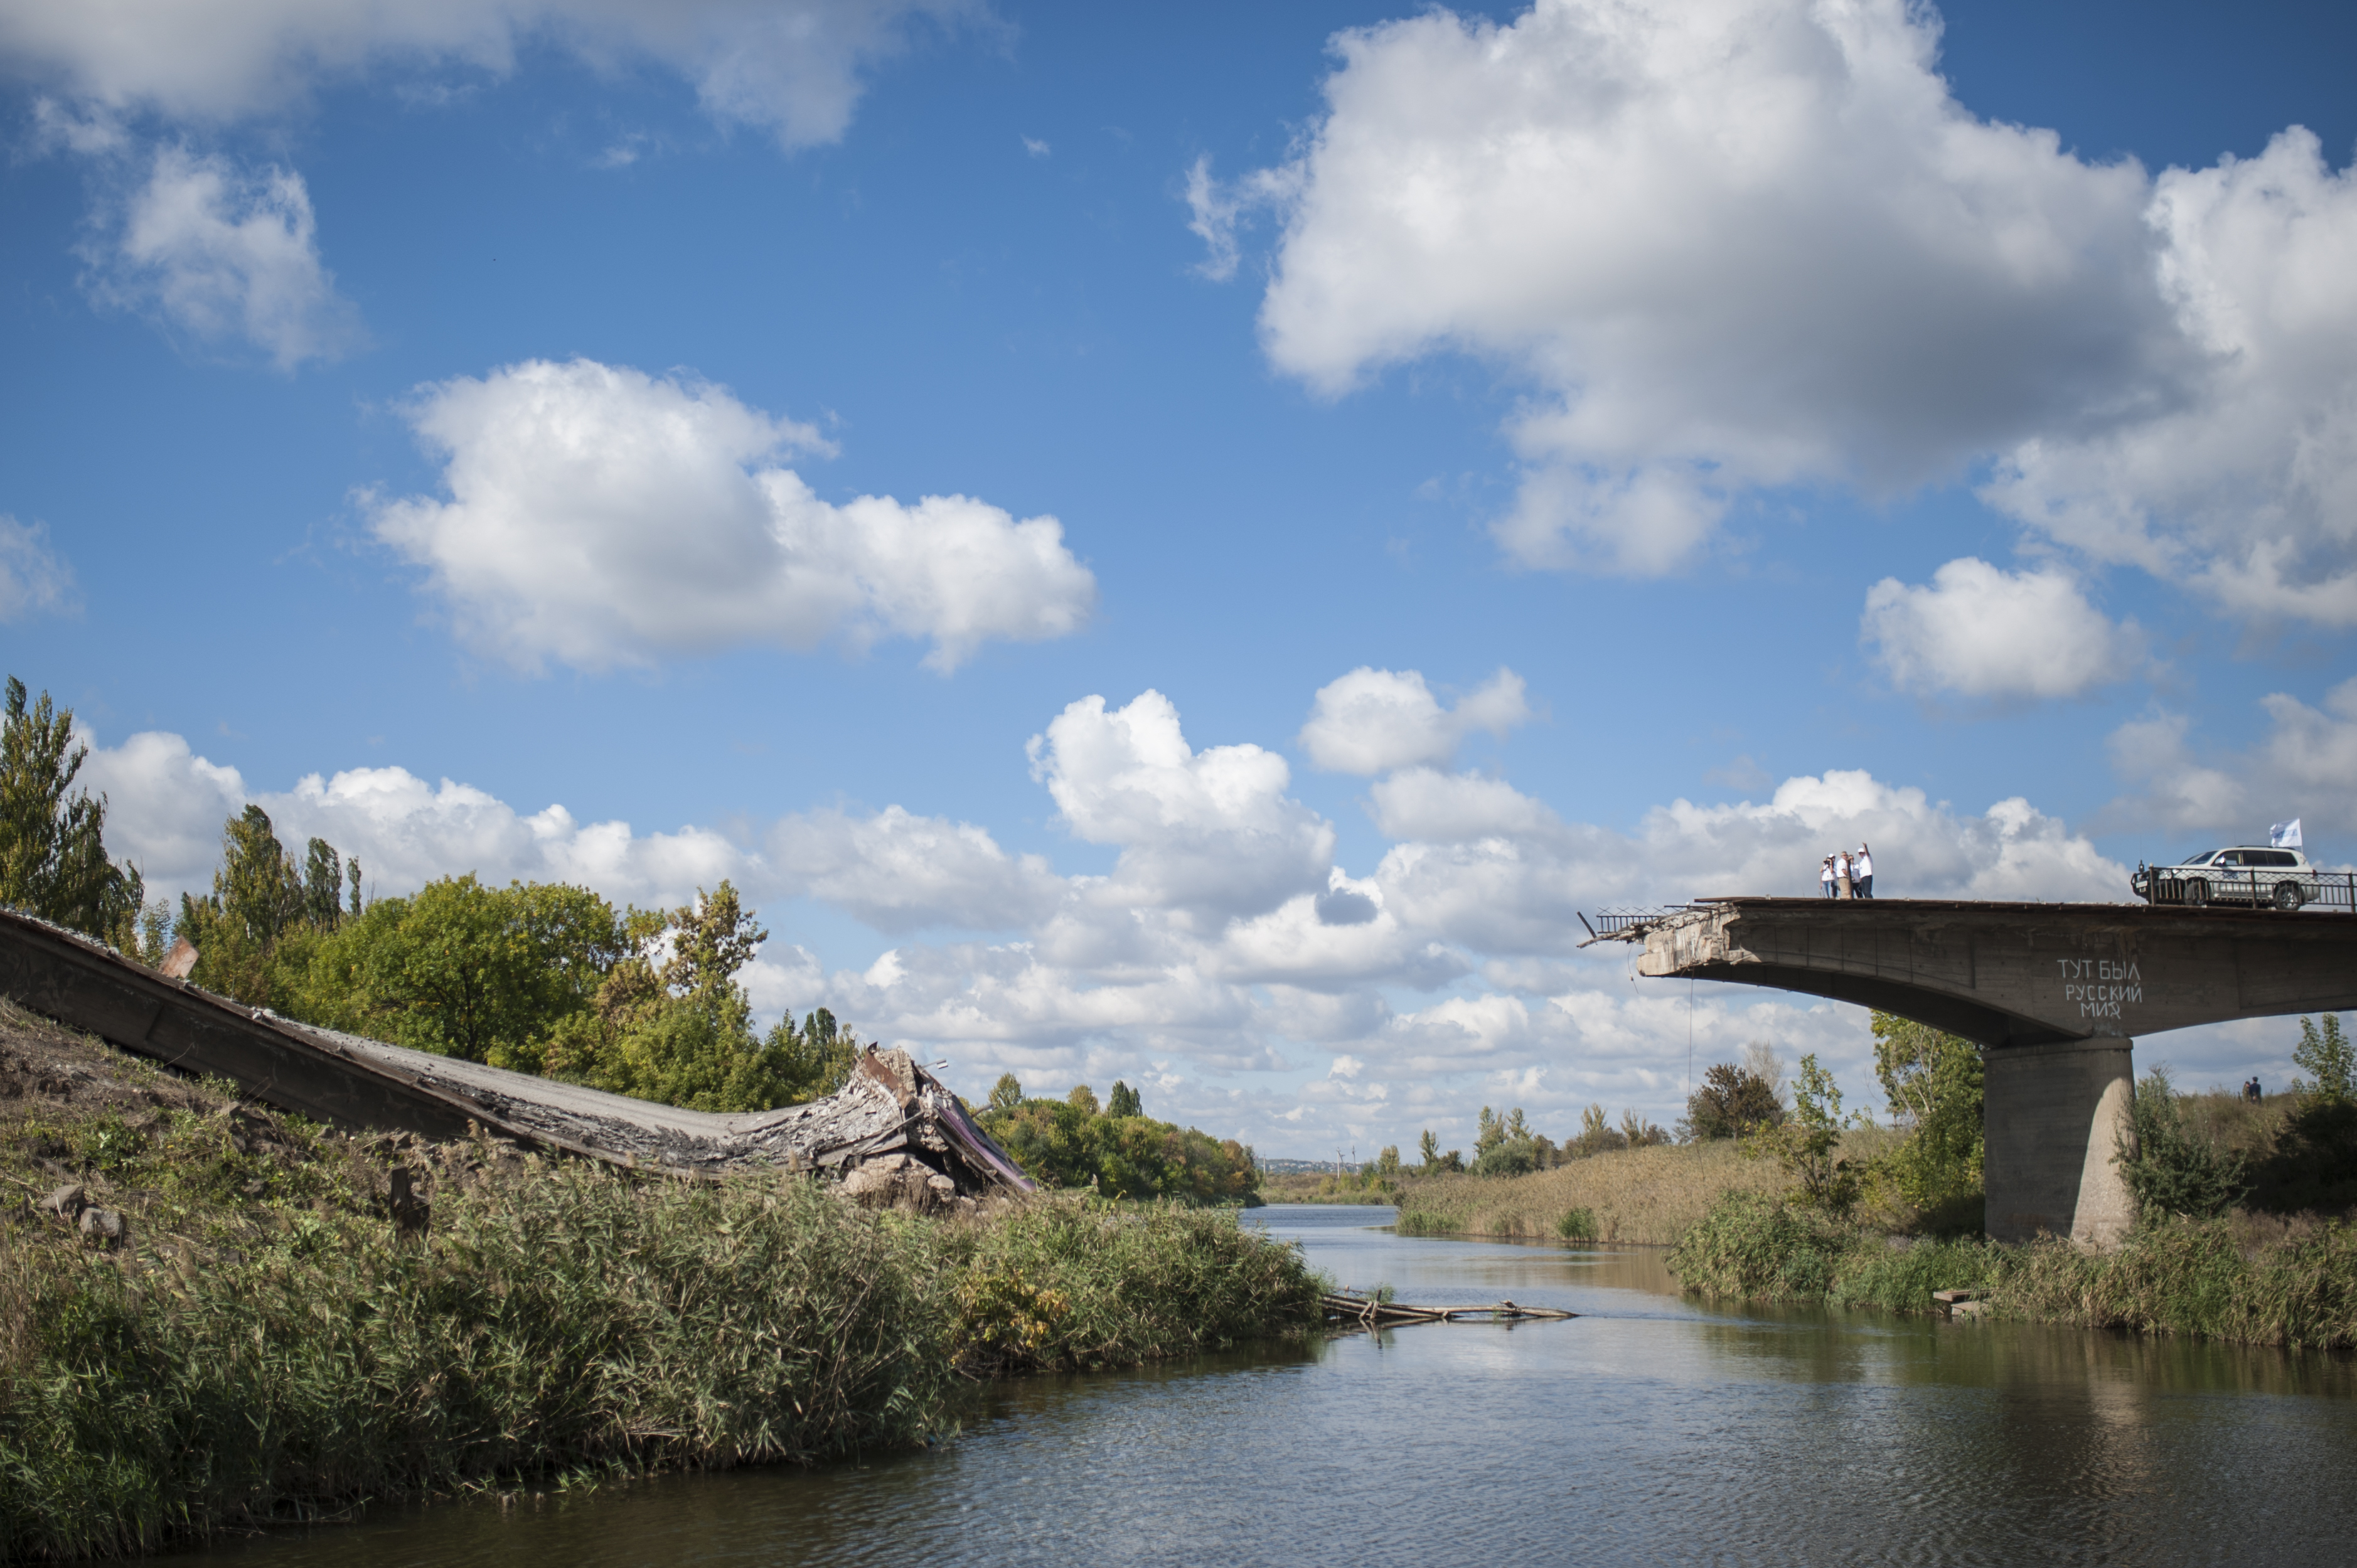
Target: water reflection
{"type": "Point", "coordinates": [1652, 1429]}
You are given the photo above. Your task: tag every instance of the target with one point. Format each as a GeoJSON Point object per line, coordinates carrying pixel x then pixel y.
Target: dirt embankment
{"type": "Point", "coordinates": [102, 1150]}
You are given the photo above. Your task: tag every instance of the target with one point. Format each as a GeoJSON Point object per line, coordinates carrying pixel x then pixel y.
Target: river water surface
{"type": "Point", "coordinates": [1650, 1430]}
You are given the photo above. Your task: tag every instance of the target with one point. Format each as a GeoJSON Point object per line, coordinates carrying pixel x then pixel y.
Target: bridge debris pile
{"type": "Point", "coordinates": [894, 1135]}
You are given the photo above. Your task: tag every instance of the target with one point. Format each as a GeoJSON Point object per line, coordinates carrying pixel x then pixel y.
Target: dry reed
{"type": "Point", "coordinates": [1650, 1196]}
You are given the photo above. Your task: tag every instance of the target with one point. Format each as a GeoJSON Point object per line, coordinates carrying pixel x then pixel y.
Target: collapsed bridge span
{"type": "Point", "coordinates": [894, 1132]}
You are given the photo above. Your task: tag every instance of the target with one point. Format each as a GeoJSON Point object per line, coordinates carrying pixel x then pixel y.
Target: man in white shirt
{"type": "Point", "coordinates": [1861, 871]}
{"type": "Point", "coordinates": [1825, 877]}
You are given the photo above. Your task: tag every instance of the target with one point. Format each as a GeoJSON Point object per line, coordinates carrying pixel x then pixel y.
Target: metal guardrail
{"type": "Point", "coordinates": [2327, 892]}
{"type": "Point", "coordinates": [1612, 922]}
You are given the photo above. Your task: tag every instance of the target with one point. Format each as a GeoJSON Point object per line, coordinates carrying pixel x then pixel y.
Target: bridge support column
{"type": "Point", "coordinates": [2050, 1122]}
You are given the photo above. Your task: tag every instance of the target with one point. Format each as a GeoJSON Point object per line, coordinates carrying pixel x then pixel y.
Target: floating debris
{"type": "Point", "coordinates": [1366, 1312]}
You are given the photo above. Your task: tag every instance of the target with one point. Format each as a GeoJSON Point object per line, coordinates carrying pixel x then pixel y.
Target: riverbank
{"type": "Point", "coordinates": [2246, 1279]}
{"type": "Point", "coordinates": [1648, 1196]}
{"type": "Point", "coordinates": [213, 1316]}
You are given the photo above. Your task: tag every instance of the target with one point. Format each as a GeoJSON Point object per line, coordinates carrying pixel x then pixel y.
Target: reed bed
{"type": "Point", "coordinates": [1648, 1196]}
{"type": "Point", "coordinates": [2251, 1281]}
{"type": "Point", "coordinates": [277, 1341]}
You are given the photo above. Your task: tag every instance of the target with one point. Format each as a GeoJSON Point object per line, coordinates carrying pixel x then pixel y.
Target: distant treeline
{"type": "Point", "coordinates": [1117, 1149]}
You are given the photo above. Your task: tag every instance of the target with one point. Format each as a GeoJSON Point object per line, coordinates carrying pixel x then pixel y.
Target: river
{"type": "Point", "coordinates": [1652, 1429]}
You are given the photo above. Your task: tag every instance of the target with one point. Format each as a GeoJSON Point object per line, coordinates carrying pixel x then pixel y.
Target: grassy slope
{"type": "Point", "coordinates": [1650, 1196]}
{"type": "Point", "coordinates": [272, 1342]}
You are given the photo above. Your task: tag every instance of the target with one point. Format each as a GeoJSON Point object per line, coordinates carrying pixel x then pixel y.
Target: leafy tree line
{"type": "Point", "coordinates": [53, 858]}
{"type": "Point", "coordinates": [539, 977]}
{"type": "Point", "coordinates": [1507, 1145]}
{"type": "Point", "coordinates": [2199, 1155]}
{"type": "Point", "coordinates": [1116, 1149]}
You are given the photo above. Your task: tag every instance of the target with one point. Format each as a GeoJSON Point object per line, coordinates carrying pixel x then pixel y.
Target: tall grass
{"type": "Point", "coordinates": [2292, 1284]}
{"type": "Point", "coordinates": [566, 1317]}
{"type": "Point", "coordinates": [1650, 1195]}
{"type": "Point", "coordinates": [1060, 1282]}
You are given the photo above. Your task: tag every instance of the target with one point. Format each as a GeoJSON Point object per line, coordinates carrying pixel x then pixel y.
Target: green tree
{"type": "Point", "coordinates": [1427, 1148]}
{"type": "Point", "coordinates": [1503, 1145]}
{"type": "Point", "coordinates": [53, 859]}
{"type": "Point", "coordinates": [1933, 1085]}
{"type": "Point", "coordinates": [1006, 1093]}
{"type": "Point", "coordinates": [256, 933]}
{"type": "Point", "coordinates": [2324, 1053]}
{"type": "Point", "coordinates": [1124, 1101]}
{"type": "Point", "coordinates": [1808, 1142]}
{"type": "Point", "coordinates": [1083, 1098]}
{"type": "Point", "coordinates": [1597, 1134]}
{"type": "Point", "coordinates": [1637, 1133]}
{"type": "Point", "coordinates": [1387, 1163]}
{"type": "Point", "coordinates": [489, 974]}
{"type": "Point", "coordinates": [671, 1024]}
{"type": "Point", "coordinates": [1068, 1143]}
{"type": "Point", "coordinates": [1731, 1102]}
{"type": "Point", "coordinates": [2168, 1166]}
{"type": "Point", "coordinates": [815, 1059]}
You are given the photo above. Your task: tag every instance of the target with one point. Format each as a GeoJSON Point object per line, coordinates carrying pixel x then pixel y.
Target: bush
{"type": "Point", "coordinates": [2313, 1162]}
{"type": "Point", "coordinates": [1579, 1225]}
{"type": "Point", "coordinates": [1756, 1248]}
{"type": "Point", "coordinates": [1062, 1283]}
{"type": "Point", "coordinates": [2167, 1168]}
{"type": "Point", "coordinates": [1808, 1143]}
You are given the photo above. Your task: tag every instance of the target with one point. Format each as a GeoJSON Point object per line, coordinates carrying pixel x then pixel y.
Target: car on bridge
{"type": "Point", "coordinates": [2244, 874]}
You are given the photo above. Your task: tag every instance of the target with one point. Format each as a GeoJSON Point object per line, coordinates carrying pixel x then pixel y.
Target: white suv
{"type": "Point", "coordinates": [2246, 874]}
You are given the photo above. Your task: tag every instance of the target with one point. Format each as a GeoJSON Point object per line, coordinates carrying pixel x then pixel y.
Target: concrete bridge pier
{"type": "Point", "coordinates": [2054, 994]}
{"type": "Point", "coordinates": [2052, 1117]}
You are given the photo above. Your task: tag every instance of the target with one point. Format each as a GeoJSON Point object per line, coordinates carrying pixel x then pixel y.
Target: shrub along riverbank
{"type": "Point", "coordinates": [213, 1317]}
{"type": "Point", "coordinates": [2249, 1279]}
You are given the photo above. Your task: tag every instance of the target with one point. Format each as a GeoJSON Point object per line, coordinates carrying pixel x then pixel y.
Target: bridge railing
{"type": "Point", "coordinates": [2327, 892]}
{"type": "Point", "coordinates": [1612, 922]}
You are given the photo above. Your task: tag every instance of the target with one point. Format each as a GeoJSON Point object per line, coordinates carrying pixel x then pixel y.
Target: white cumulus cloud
{"type": "Point", "coordinates": [1212, 829]}
{"type": "Point", "coordinates": [220, 253]}
{"type": "Point", "coordinates": [898, 872]}
{"type": "Point", "coordinates": [1979, 631]}
{"type": "Point", "coordinates": [1743, 244]}
{"type": "Point", "coordinates": [598, 516]}
{"type": "Point", "coordinates": [2243, 483]}
{"type": "Point", "coordinates": [2299, 767]}
{"type": "Point", "coordinates": [165, 806]}
{"type": "Point", "coordinates": [1226, 962]}
{"type": "Point", "coordinates": [34, 579]}
{"type": "Point", "coordinates": [1371, 720]}
{"type": "Point", "coordinates": [790, 67]}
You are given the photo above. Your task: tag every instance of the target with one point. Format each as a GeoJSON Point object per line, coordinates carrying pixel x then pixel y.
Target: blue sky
{"type": "Point", "coordinates": [1713, 433]}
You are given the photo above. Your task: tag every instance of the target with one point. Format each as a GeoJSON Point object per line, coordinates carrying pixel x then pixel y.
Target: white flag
{"type": "Point", "coordinates": [2285, 835]}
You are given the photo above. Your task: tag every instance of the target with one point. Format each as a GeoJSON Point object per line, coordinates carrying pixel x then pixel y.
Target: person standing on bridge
{"type": "Point", "coordinates": [1825, 877]}
{"type": "Point", "coordinates": [1861, 871]}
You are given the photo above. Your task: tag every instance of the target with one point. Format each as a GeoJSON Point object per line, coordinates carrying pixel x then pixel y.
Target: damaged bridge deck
{"type": "Point", "coordinates": [893, 1130]}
